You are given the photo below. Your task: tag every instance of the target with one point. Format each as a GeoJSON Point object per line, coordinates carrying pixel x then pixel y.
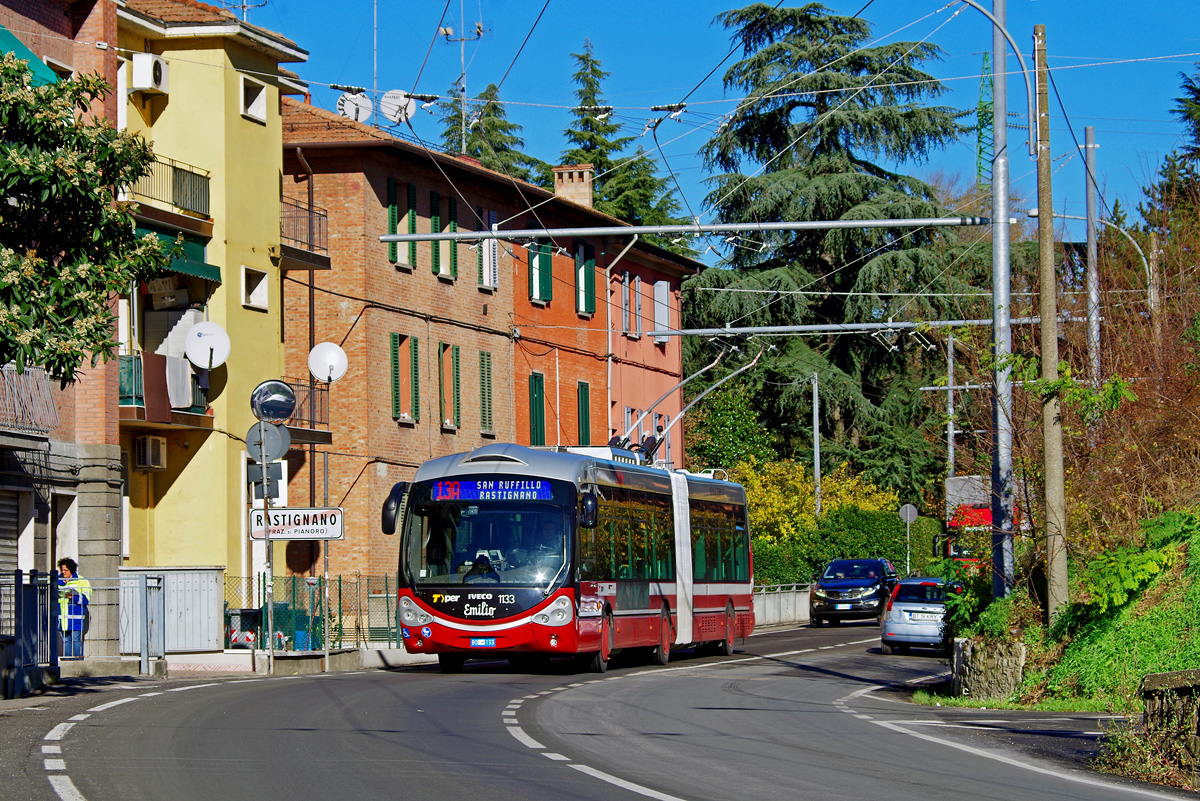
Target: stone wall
{"type": "Point", "coordinates": [1171, 712]}
{"type": "Point", "coordinates": [986, 670]}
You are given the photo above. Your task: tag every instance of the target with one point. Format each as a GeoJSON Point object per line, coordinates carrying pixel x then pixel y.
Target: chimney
{"type": "Point", "coordinates": [574, 182]}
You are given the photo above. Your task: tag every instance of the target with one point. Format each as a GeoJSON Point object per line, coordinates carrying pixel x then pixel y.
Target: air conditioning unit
{"type": "Point", "coordinates": [149, 74]}
{"type": "Point", "coordinates": [149, 453]}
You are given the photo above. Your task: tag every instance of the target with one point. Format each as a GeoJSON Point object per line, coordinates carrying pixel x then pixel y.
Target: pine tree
{"type": "Point", "coordinates": [824, 109]}
{"type": "Point", "coordinates": [629, 188]}
{"type": "Point", "coordinates": [491, 138]}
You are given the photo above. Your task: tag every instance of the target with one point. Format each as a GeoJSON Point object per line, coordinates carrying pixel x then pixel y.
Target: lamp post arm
{"type": "Point", "coordinates": [1024, 70]}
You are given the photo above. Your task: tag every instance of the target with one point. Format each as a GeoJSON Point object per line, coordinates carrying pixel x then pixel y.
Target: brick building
{"type": "Point", "coordinates": [454, 345]}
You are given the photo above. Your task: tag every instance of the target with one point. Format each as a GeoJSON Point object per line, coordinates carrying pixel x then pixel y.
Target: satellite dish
{"type": "Point", "coordinates": [327, 362]}
{"type": "Point", "coordinates": [397, 106]}
{"type": "Point", "coordinates": [355, 106]}
{"type": "Point", "coordinates": [206, 345]}
{"type": "Point", "coordinates": [273, 402]}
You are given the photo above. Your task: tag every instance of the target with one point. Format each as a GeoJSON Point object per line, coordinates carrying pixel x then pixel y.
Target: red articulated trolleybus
{"type": "Point", "coordinates": [525, 553]}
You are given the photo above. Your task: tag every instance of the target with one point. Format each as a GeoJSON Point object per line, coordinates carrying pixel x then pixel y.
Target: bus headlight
{"type": "Point", "coordinates": [556, 614]}
{"type": "Point", "coordinates": [411, 615]}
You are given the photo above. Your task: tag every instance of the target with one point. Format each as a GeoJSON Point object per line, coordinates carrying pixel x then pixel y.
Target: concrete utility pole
{"type": "Point", "coordinates": [1052, 447]}
{"type": "Point", "coordinates": [1093, 269]}
{"type": "Point", "coordinates": [816, 446]}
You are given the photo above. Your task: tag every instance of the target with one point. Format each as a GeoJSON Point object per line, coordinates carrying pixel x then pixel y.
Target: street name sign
{"type": "Point", "coordinates": [298, 524]}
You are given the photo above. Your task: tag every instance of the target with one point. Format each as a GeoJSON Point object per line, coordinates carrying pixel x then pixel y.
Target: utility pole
{"type": "Point", "coordinates": [1003, 570]}
{"type": "Point", "coordinates": [1093, 270]}
{"type": "Point", "coordinates": [816, 446]}
{"type": "Point", "coordinates": [1052, 446]}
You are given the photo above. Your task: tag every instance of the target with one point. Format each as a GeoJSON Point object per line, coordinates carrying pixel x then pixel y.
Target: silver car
{"type": "Point", "coordinates": [913, 615]}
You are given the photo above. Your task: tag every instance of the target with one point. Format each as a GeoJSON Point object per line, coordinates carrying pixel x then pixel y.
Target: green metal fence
{"type": "Point", "coordinates": [362, 612]}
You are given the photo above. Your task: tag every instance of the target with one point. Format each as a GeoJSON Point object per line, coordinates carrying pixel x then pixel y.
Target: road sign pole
{"type": "Point", "coordinates": [270, 588]}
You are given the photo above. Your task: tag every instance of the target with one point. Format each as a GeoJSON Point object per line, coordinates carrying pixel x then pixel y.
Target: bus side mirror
{"type": "Point", "coordinates": [393, 507]}
{"type": "Point", "coordinates": [590, 511]}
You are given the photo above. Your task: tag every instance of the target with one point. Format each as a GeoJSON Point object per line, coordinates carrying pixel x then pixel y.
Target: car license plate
{"type": "Point", "coordinates": [483, 642]}
{"type": "Point", "coordinates": [842, 606]}
{"type": "Point", "coordinates": [925, 616]}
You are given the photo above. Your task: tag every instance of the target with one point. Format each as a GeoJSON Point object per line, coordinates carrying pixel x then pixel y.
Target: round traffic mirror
{"type": "Point", "coordinates": [273, 402]}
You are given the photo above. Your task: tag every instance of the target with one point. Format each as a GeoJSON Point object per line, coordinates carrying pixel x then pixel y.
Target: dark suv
{"type": "Point", "coordinates": [851, 589]}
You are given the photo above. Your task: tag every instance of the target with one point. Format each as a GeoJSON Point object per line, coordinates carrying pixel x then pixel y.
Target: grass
{"type": "Point", "coordinates": [943, 698]}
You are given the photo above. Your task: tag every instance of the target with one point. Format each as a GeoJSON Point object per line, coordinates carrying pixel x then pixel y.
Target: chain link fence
{"type": "Point", "coordinates": [362, 612]}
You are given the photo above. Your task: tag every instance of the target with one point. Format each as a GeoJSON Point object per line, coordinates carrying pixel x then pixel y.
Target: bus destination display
{"type": "Point", "coordinates": [493, 490]}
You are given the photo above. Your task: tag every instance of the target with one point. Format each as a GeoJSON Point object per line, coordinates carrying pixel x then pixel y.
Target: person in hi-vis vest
{"type": "Point", "coordinates": [73, 594]}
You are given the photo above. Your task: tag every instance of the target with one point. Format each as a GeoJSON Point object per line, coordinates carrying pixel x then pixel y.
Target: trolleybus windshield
{"type": "Point", "coordinates": [491, 530]}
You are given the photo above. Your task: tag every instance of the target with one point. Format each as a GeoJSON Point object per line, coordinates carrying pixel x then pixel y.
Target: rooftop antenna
{"type": "Point", "coordinates": [244, 7]}
{"type": "Point", "coordinates": [462, 78]}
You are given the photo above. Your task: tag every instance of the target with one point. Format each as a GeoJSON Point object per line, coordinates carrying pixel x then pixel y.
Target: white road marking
{"type": "Point", "coordinates": [633, 788]}
{"type": "Point", "coordinates": [552, 755]}
{"type": "Point", "coordinates": [523, 738]}
{"type": "Point", "coordinates": [78, 718]}
{"type": "Point", "coordinates": [59, 731]}
{"type": "Point", "coordinates": [51, 749]}
{"type": "Point", "coordinates": [192, 687]}
{"type": "Point", "coordinates": [148, 695]}
{"type": "Point", "coordinates": [509, 713]}
{"type": "Point", "coordinates": [65, 789]}
{"type": "Point", "coordinates": [1059, 773]}
{"type": "Point", "coordinates": [111, 704]}
{"type": "Point", "coordinates": [54, 764]}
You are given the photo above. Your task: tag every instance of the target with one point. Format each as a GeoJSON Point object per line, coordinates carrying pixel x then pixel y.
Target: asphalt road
{"type": "Point", "coordinates": [809, 713]}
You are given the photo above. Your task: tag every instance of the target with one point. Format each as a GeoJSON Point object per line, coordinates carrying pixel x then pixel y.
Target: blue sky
{"type": "Point", "coordinates": [1116, 67]}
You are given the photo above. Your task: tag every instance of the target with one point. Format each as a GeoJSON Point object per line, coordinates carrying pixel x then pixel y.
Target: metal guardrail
{"type": "Point", "coordinates": [302, 227]}
{"type": "Point", "coordinates": [181, 185]}
{"type": "Point", "coordinates": [27, 401]}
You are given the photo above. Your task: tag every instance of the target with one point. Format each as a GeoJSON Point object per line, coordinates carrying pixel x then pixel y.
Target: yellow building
{"type": "Point", "coordinates": [205, 88]}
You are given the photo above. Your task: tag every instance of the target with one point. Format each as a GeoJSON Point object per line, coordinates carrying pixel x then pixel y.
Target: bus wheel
{"type": "Point", "coordinates": [451, 663]}
{"type": "Point", "coordinates": [661, 654]}
{"type": "Point", "coordinates": [599, 661]}
{"type": "Point", "coordinates": [725, 646]}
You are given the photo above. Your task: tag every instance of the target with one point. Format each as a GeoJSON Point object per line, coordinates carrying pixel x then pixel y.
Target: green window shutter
{"type": "Point", "coordinates": [546, 290]}
{"type": "Point", "coordinates": [589, 275]}
{"type": "Point", "coordinates": [454, 355]}
{"type": "Point", "coordinates": [414, 368]}
{"type": "Point", "coordinates": [537, 409]}
{"type": "Point", "coordinates": [397, 400]}
{"type": "Point", "coordinates": [412, 223]}
{"type": "Point", "coordinates": [485, 390]}
{"type": "Point", "coordinates": [584, 397]}
{"type": "Point", "coordinates": [580, 281]}
{"type": "Point", "coordinates": [393, 212]}
{"type": "Point", "coordinates": [435, 227]}
{"type": "Point", "coordinates": [453, 243]}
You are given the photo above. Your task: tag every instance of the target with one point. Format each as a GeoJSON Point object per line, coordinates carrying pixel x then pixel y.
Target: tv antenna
{"type": "Point", "coordinates": [244, 7]}
{"type": "Point", "coordinates": [448, 32]}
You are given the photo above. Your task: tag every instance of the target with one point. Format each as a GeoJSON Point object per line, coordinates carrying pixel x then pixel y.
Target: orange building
{"type": "Point", "coordinates": [454, 345]}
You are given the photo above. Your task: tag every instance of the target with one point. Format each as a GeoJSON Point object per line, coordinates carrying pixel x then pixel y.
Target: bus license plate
{"type": "Point", "coordinates": [842, 606]}
{"type": "Point", "coordinates": [483, 642]}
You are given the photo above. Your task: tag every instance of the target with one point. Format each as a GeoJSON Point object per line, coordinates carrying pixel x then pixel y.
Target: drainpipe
{"type": "Point", "coordinates": [312, 341]}
{"type": "Point", "coordinates": [608, 324]}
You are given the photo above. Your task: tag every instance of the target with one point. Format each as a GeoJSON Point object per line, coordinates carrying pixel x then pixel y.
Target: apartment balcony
{"type": "Point", "coordinates": [148, 382]}
{"type": "Point", "coordinates": [26, 402]}
{"type": "Point", "coordinates": [310, 422]}
{"type": "Point", "coordinates": [180, 187]}
{"type": "Point", "coordinates": [303, 236]}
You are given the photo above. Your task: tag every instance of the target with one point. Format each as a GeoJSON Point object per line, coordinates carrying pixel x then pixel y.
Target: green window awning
{"type": "Point", "coordinates": [42, 74]}
{"type": "Point", "coordinates": [191, 262]}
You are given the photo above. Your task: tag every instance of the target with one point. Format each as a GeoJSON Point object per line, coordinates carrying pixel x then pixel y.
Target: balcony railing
{"type": "Point", "coordinates": [302, 227]}
{"type": "Point", "coordinates": [312, 407]}
{"type": "Point", "coordinates": [26, 401]}
{"type": "Point", "coordinates": [181, 185]}
{"type": "Point", "coordinates": [132, 390]}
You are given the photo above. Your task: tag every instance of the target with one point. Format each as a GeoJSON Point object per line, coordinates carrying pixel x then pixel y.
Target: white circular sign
{"type": "Point", "coordinates": [327, 362]}
{"type": "Point", "coordinates": [206, 345]}
{"type": "Point", "coordinates": [908, 513]}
